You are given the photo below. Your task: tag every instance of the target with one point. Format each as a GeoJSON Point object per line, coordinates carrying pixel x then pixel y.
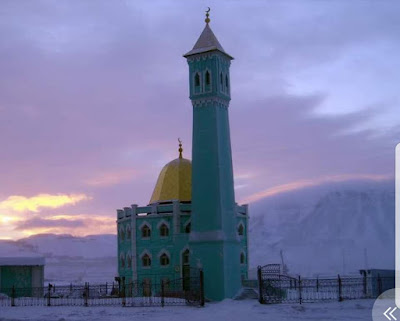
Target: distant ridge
{"type": "Point", "coordinates": [330, 229]}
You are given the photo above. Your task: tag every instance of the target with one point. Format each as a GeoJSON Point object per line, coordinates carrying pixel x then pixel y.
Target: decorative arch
{"type": "Point", "coordinates": [122, 233]}
{"type": "Point", "coordinates": [164, 228]}
{"type": "Point", "coordinates": [240, 229]}
{"type": "Point", "coordinates": [128, 260]}
{"type": "Point", "coordinates": [197, 81]}
{"type": "Point", "coordinates": [122, 260]}
{"type": "Point", "coordinates": [145, 258]}
{"type": "Point", "coordinates": [145, 230]}
{"type": "Point", "coordinates": [207, 77]}
{"type": "Point", "coordinates": [242, 258]}
{"type": "Point", "coordinates": [185, 255]}
{"type": "Point", "coordinates": [128, 232]}
{"type": "Point", "coordinates": [164, 258]}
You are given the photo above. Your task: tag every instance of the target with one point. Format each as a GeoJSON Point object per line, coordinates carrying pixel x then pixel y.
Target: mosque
{"type": "Point", "coordinates": [192, 219]}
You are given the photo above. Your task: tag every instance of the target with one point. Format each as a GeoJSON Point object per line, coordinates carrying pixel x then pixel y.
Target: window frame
{"type": "Point", "coordinates": [148, 259]}
{"type": "Point", "coordinates": [164, 256]}
{"type": "Point", "coordinates": [146, 227]}
{"type": "Point", "coordinates": [164, 227]}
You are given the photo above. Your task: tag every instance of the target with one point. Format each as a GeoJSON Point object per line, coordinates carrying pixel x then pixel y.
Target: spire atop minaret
{"type": "Point", "coordinates": [207, 16]}
{"type": "Point", "coordinates": [180, 148]}
{"type": "Point", "coordinates": [207, 41]}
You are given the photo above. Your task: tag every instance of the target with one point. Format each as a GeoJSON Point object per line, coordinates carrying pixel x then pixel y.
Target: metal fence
{"type": "Point", "coordinates": [276, 288]}
{"type": "Point", "coordinates": [164, 293]}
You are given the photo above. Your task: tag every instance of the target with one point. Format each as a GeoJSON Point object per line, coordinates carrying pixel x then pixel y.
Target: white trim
{"type": "Point", "coordinates": [163, 222]}
{"type": "Point", "coordinates": [144, 223]}
{"type": "Point", "coordinates": [162, 252]}
{"type": "Point", "coordinates": [145, 252]}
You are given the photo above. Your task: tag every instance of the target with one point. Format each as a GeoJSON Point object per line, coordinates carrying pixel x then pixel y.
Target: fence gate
{"type": "Point", "coordinates": [278, 288]}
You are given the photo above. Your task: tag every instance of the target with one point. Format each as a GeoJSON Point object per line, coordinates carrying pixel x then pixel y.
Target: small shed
{"type": "Point", "coordinates": [21, 272]}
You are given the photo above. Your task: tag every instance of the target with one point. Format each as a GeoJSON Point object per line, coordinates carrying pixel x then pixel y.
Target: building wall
{"type": "Point", "coordinates": [174, 244]}
{"type": "Point", "coordinates": [21, 276]}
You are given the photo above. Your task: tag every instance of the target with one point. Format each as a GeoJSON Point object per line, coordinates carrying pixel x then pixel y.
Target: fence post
{"type": "Point", "coordinates": [48, 295]}
{"type": "Point", "coordinates": [379, 285]}
{"type": "Point", "coordinates": [106, 289]}
{"type": "Point", "coordinates": [201, 288]}
{"type": "Point", "coordinates": [260, 285]}
{"type": "Point", "coordinates": [340, 288]}
{"type": "Point", "coordinates": [364, 272]}
{"type": "Point", "coordinates": [13, 296]}
{"type": "Point", "coordinates": [86, 294]}
{"type": "Point", "coordinates": [123, 292]}
{"type": "Point", "coordinates": [300, 298]}
{"type": "Point", "coordinates": [317, 284]}
{"type": "Point", "coordinates": [162, 293]}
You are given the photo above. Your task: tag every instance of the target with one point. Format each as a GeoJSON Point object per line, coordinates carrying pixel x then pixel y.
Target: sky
{"type": "Point", "coordinates": [94, 95]}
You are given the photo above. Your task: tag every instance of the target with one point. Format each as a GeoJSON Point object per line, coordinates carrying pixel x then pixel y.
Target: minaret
{"type": "Point", "coordinates": [213, 239]}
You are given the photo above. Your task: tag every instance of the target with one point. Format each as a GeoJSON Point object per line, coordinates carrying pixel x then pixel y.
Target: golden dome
{"type": "Point", "coordinates": [174, 181]}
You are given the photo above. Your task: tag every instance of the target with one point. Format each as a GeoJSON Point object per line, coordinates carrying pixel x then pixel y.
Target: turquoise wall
{"type": "Point", "coordinates": [173, 244]}
{"type": "Point", "coordinates": [214, 240]}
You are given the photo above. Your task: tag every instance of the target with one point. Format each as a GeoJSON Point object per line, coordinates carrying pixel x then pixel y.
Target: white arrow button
{"type": "Point", "coordinates": [390, 313]}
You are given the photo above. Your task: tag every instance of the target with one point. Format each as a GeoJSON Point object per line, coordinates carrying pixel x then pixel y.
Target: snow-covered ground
{"type": "Point", "coordinates": [226, 310]}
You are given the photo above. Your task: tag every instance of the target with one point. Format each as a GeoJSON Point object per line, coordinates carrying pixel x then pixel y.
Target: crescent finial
{"type": "Point", "coordinates": [180, 148]}
{"type": "Point", "coordinates": [207, 15]}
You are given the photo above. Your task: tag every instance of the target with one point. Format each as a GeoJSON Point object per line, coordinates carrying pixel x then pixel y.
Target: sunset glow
{"type": "Point", "coordinates": [21, 203]}
{"type": "Point", "coordinates": [94, 95]}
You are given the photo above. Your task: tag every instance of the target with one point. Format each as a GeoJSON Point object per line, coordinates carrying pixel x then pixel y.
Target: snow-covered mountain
{"type": "Point", "coordinates": [335, 228]}
{"type": "Point", "coordinates": [68, 258]}
{"type": "Point", "coordinates": [327, 229]}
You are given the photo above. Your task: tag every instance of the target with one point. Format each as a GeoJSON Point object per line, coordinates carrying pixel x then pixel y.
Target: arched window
{"type": "Point", "coordinates": [128, 232]}
{"type": "Point", "coordinates": [122, 260]}
{"type": "Point", "coordinates": [241, 229]}
{"type": "Point", "coordinates": [164, 230]}
{"type": "Point", "coordinates": [208, 78]}
{"type": "Point", "coordinates": [222, 81]}
{"type": "Point", "coordinates": [128, 261]}
{"type": "Point", "coordinates": [197, 80]}
{"type": "Point", "coordinates": [146, 232]}
{"type": "Point", "coordinates": [122, 233]}
{"type": "Point", "coordinates": [226, 82]}
{"type": "Point", "coordinates": [188, 227]}
{"type": "Point", "coordinates": [164, 259]}
{"type": "Point", "coordinates": [242, 258]}
{"type": "Point", "coordinates": [185, 257]}
{"type": "Point", "coordinates": [146, 260]}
